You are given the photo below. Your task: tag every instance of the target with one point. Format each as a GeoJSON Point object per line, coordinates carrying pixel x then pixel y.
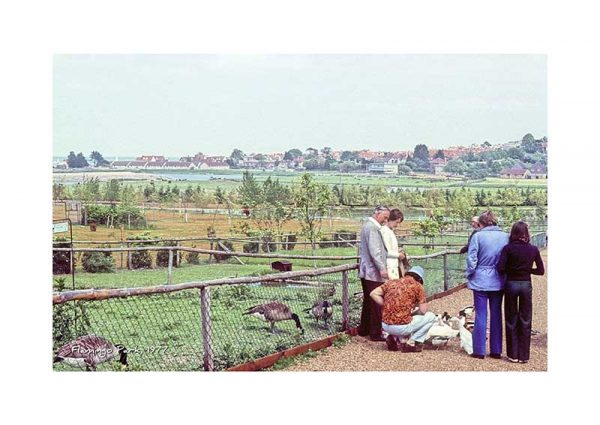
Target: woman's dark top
{"type": "Point", "coordinates": [516, 260]}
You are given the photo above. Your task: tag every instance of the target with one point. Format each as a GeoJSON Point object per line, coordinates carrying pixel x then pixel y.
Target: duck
{"type": "Point", "coordinates": [321, 310]}
{"type": "Point", "coordinates": [466, 338]}
{"type": "Point", "coordinates": [467, 312]}
{"type": "Point", "coordinates": [89, 351]}
{"type": "Point", "coordinates": [272, 312]}
{"type": "Point", "coordinates": [469, 315]}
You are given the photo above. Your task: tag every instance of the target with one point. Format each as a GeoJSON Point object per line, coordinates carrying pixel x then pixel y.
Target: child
{"type": "Point", "coordinates": [516, 261]}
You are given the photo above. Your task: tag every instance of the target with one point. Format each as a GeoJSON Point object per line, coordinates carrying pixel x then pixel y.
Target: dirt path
{"type": "Point", "coordinates": [360, 354]}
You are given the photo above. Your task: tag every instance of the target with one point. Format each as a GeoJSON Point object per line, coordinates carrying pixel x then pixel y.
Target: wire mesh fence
{"type": "Point", "coordinates": [212, 327]}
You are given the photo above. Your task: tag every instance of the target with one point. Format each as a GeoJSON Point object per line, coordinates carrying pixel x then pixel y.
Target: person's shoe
{"type": "Point", "coordinates": [392, 343]}
{"type": "Point", "coordinates": [513, 360]}
{"type": "Point", "coordinates": [417, 348]}
{"type": "Point", "coordinates": [478, 356]}
{"type": "Point", "coordinates": [377, 338]}
{"type": "Point", "coordinates": [523, 361]}
{"type": "Point", "coordinates": [495, 356]}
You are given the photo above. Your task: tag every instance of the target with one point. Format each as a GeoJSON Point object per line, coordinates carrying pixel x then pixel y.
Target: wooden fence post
{"type": "Point", "coordinates": [445, 271]}
{"type": "Point", "coordinates": [206, 329]}
{"type": "Point", "coordinates": [345, 300]}
{"type": "Point", "coordinates": [170, 268]}
{"type": "Point", "coordinates": [129, 265]}
{"type": "Point", "coordinates": [178, 258]}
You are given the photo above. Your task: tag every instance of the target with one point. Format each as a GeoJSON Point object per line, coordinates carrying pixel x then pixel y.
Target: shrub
{"type": "Point", "coordinates": [344, 235]}
{"type": "Point", "coordinates": [61, 263]}
{"type": "Point", "coordinates": [120, 214]}
{"type": "Point", "coordinates": [289, 243]}
{"type": "Point", "coordinates": [267, 244]}
{"type": "Point", "coordinates": [193, 257]}
{"type": "Point", "coordinates": [98, 262]}
{"type": "Point", "coordinates": [140, 259]}
{"type": "Point", "coordinates": [69, 320]}
{"type": "Point", "coordinates": [251, 247]}
{"type": "Point", "coordinates": [325, 245]}
{"type": "Point", "coordinates": [223, 257]}
{"type": "Point", "coordinates": [162, 257]}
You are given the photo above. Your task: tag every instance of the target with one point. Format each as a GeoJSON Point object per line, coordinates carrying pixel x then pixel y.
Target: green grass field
{"type": "Point", "coordinates": [227, 179]}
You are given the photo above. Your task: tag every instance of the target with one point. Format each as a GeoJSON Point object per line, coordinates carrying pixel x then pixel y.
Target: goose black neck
{"type": "Point", "coordinates": [297, 320]}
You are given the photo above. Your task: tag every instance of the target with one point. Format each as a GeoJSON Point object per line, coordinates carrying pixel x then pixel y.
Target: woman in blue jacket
{"type": "Point", "coordinates": [486, 283]}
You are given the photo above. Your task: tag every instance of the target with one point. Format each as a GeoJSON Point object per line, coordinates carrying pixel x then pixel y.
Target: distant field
{"type": "Point", "coordinates": [227, 179]}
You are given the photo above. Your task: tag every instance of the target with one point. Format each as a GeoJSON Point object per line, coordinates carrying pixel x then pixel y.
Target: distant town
{"type": "Point", "coordinates": [525, 159]}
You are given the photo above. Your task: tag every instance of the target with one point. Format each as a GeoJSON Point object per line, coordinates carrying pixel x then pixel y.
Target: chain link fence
{"type": "Point", "coordinates": [212, 326]}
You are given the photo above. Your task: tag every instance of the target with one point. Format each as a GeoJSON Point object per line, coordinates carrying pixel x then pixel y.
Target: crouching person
{"type": "Point", "coordinates": [398, 298]}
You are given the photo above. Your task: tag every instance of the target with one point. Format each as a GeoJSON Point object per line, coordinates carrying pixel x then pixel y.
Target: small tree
{"type": "Point", "coordinates": [311, 201]}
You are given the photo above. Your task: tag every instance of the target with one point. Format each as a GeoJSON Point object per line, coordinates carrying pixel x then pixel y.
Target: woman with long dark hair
{"type": "Point", "coordinates": [516, 261]}
{"type": "Point", "coordinates": [487, 284]}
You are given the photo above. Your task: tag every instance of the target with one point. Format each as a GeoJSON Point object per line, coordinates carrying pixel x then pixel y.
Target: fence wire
{"type": "Point", "coordinates": [168, 332]}
{"type": "Point", "coordinates": [164, 332]}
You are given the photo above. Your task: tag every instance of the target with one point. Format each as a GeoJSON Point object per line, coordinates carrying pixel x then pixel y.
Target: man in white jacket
{"type": "Point", "coordinates": [372, 271]}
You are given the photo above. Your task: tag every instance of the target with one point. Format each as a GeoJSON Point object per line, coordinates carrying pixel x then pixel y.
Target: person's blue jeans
{"type": "Point", "coordinates": [417, 328]}
{"type": "Point", "coordinates": [481, 299]}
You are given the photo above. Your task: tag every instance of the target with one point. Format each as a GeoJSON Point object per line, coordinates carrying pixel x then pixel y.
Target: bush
{"type": "Point", "coordinates": [251, 247]}
{"type": "Point", "coordinates": [140, 259]}
{"type": "Point", "coordinates": [98, 262]}
{"type": "Point", "coordinates": [69, 320]}
{"type": "Point", "coordinates": [193, 257]}
{"type": "Point", "coordinates": [344, 235]}
{"type": "Point", "coordinates": [120, 214]}
{"type": "Point", "coordinates": [289, 243]}
{"type": "Point", "coordinates": [61, 263]}
{"type": "Point", "coordinates": [267, 244]}
{"type": "Point", "coordinates": [325, 245]}
{"type": "Point", "coordinates": [223, 257]}
{"type": "Point", "coordinates": [162, 257]}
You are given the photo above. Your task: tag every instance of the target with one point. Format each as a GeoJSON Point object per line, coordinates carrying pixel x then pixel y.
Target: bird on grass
{"type": "Point", "coordinates": [321, 310]}
{"type": "Point", "coordinates": [272, 312]}
{"type": "Point", "coordinates": [89, 351]}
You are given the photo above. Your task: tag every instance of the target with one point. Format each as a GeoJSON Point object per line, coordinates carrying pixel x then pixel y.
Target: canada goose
{"type": "Point", "coordinates": [274, 312]}
{"type": "Point", "coordinates": [321, 310]}
{"type": "Point", "coordinates": [327, 291]}
{"type": "Point", "coordinates": [90, 351]}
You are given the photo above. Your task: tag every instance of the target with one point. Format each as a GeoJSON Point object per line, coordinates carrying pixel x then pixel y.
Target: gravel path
{"type": "Point", "coordinates": [360, 354]}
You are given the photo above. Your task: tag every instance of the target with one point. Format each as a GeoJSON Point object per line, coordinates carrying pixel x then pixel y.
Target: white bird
{"type": "Point", "coordinates": [466, 340]}
{"type": "Point", "coordinates": [440, 333]}
{"type": "Point", "coordinates": [467, 312]}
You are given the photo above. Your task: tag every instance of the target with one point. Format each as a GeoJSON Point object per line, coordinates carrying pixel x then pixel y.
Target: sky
{"type": "Point", "coordinates": [176, 105]}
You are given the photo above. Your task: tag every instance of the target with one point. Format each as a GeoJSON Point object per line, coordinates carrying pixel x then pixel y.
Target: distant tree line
{"type": "Point", "coordinates": [79, 161]}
